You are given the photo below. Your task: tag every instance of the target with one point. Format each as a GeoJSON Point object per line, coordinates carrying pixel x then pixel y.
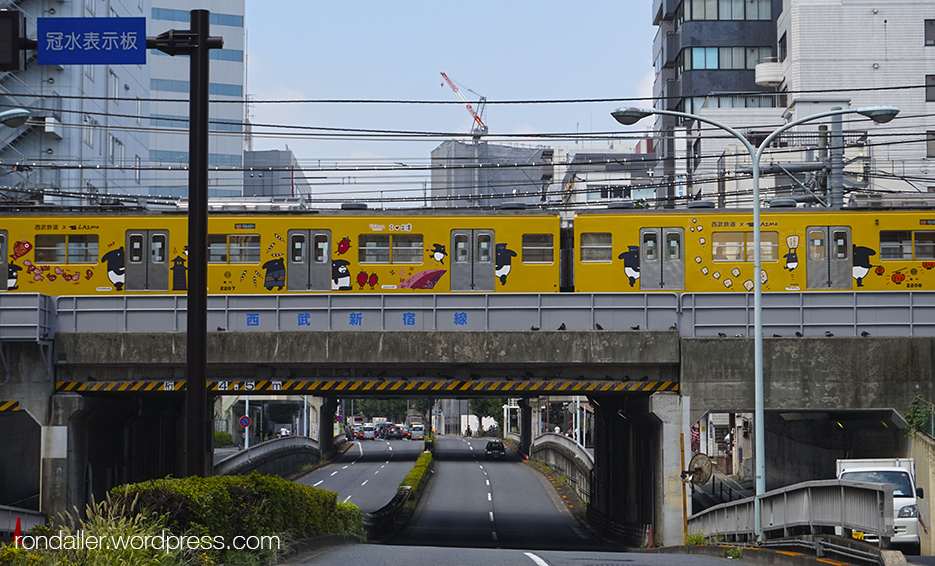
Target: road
{"type": "Point", "coordinates": [472, 502]}
{"type": "Point", "coordinates": [368, 473]}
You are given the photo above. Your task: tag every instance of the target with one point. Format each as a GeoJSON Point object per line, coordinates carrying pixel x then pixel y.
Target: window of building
{"type": "Point", "coordinates": [88, 132]}
{"type": "Point", "coordinates": [783, 48]}
{"type": "Point", "coordinates": [895, 244]}
{"type": "Point", "coordinates": [929, 32]}
{"type": "Point", "coordinates": [537, 248]}
{"type": "Point", "coordinates": [596, 247]}
{"type": "Point", "coordinates": [930, 88]}
{"type": "Point", "coordinates": [138, 169]}
{"type": "Point", "coordinates": [114, 87]}
{"type": "Point", "coordinates": [731, 9]}
{"type": "Point", "coordinates": [90, 5]}
{"type": "Point", "coordinates": [61, 248]}
{"type": "Point", "coordinates": [89, 72]}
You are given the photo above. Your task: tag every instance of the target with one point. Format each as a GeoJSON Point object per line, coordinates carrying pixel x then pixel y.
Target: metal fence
{"type": "Point", "coordinates": [26, 317]}
{"type": "Point", "coordinates": [804, 507]}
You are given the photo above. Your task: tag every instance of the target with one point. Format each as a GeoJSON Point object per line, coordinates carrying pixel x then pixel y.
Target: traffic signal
{"type": "Point", "coordinates": [11, 32]}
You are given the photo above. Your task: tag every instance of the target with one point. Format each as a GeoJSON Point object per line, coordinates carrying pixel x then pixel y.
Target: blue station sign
{"type": "Point", "coordinates": [91, 41]}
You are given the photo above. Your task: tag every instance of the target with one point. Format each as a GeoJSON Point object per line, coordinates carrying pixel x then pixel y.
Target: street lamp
{"type": "Point", "coordinates": [14, 118]}
{"type": "Point", "coordinates": [880, 115]}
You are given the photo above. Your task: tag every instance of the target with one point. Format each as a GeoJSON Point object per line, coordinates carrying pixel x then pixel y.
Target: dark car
{"type": "Point", "coordinates": [393, 432]}
{"type": "Point", "coordinates": [495, 449]}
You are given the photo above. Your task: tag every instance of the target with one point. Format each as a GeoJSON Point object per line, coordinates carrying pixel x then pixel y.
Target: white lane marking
{"type": "Point", "coordinates": [361, 446]}
{"type": "Point", "coordinates": [344, 468]}
{"type": "Point", "coordinates": [491, 516]}
{"type": "Point", "coordinates": [482, 467]}
{"type": "Point", "coordinates": [471, 447]}
{"type": "Point", "coordinates": [376, 472]}
{"type": "Point", "coordinates": [536, 559]}
{"type": "Point", "coordinates": [334, 472]}
{"type": "Point", "coordinates": [365, 482]}
{"type": "Point", "coordinates": [319, 483]}
{"type": "Point", "coordinates": [488, 482]}
{"type": "Point", "coordinates": [346, 498]}
{"type": "Point", "coordinates": [391, 448]}
{"type": "Point", "coordinates": [488, 499]}
{"type": "Point", "coordinates": [383, 466]}
{"type": "Point", "coordinates": [495, 537]}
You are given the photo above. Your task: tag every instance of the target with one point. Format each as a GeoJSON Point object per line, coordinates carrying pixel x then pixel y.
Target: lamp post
{"type": "Point", "coordinates": [880, 115]}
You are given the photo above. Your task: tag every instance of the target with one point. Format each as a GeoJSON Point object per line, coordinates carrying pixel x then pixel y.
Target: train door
{"type": "Point", "coordinates": [662, 259]}
{"type": "Point", "coordinates": [10, 281]}
{"type": "Point", "coordinates": [309, 267]}
{"type": "Point", "coordinates": [473, 261]}
{"type": "Point", "coordinates": [146, 264]}
{"type": "Point", "coordinates": [829, 264]}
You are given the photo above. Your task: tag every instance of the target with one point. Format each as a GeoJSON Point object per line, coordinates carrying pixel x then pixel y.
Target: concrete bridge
{"type": "Point", "coordinates": [93, 395]}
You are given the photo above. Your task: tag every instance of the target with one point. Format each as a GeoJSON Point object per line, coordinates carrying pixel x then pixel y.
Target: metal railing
{"type": "Point", "coordinates": [263, 451]}
{"type": "Point", "coordinates": [26, 317]}
{"type": "Point", "coordinates": [28, 519]}
{"type": "Point", "coordinates": [806, 506]}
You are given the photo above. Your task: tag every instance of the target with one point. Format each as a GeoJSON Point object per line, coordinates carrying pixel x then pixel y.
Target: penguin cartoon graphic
{"type": "Point", "coordinates": [12, 277]}
{"type": "Point", "coordinates": [792, 258]}
{"type": "Point", "coordinates": [438, 253]}
{"type": "Point", "coordinates": [862, 264]}
{"type": "Point", "coordinates": [340, 275]}
{"type": "Point", "coordinates": [115, 267]}
{"type": "Point", "coordinates": [631, 263]}
{"type": "Point", "coordinates": [504, 263]}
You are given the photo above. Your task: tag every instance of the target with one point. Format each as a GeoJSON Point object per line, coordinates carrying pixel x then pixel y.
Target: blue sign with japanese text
{"type": "Point", "coordinates": [91, 41]}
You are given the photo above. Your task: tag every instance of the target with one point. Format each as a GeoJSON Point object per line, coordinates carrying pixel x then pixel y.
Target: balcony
{"type": "Point", "coordinates": [769, 73]}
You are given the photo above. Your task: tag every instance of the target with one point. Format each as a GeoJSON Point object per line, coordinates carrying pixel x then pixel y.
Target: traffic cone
{"type": "Point", "coordinates": [17, 533]}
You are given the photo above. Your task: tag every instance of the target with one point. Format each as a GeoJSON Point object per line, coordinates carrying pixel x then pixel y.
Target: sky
{"type": "Point", "coordinates": [515, 50]}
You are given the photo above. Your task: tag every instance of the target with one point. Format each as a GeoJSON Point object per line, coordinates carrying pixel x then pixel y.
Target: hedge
{"type": "Point", "coordinates": [417, 477]}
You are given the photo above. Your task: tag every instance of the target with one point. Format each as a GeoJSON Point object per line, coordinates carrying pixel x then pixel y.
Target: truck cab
{"type": "Point", "coordinates": [900, 472]}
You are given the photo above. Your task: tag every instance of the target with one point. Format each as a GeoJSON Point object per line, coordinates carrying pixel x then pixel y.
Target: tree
{"type": "Point", "coordinates": [487, 407]}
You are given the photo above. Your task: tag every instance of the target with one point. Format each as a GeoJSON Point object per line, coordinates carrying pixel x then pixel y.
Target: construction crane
{"type": "Point", "coordinates": [479, 127]}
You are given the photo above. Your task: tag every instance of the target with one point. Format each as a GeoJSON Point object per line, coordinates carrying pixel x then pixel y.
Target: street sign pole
{"type": "Point", "coordinates": [197, 44]}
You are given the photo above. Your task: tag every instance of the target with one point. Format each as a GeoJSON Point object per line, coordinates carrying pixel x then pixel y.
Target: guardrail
{"type": "Point", "coordinates": [852, 505]}
{"type": "Point", "coordinates": [264, 452]}
{"type": "Point", "coordinates": [26, 317]}
{"type": "Point", "coordinates": [567, 456]}
{"type": "Point", "coordinates": [383, 520]}
{"type": "Point", "coordinates": [28, 519]}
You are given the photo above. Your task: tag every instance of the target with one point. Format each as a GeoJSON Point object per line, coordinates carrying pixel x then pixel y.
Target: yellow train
{"type": "Point", "coordinates": [413, 251]}
{"type": "Point", "coordinates": [444, 251]}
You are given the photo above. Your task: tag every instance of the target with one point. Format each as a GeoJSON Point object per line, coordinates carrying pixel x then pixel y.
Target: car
{"type": "Point", "coordinates": [495, 449]}
{"type": "Point", "coordinates": [393, 432]}
{"type": "Point", "coordinates": [368, 432]}
{"type": "Point", "coordinates": [406, 434]}
{"type": "Point", "coordinates": [417, 432]}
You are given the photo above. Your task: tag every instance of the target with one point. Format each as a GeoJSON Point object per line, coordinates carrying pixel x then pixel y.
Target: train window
{"type": "Point", "coordinates": [217, 248]}
{"type": "Point", "coordinates": [649, 246]}
{"type": "Point", "coordinates": [2, 246]}
{"type": "Point", "coordinates": [839, 241]}
{"type": "Point", "coordinates": [158, 248]}
{"type": "Point", "coordinates": [895, 244]}
{"type": "Point", "coordinates": [135, 254]}
{"type": "Point", "coordinates": [727, 246]}
{"type": "Point", "coordinates": [537, 248]}
{"type": "Point", "coordinates": [373, 248]}
{"type": "Point", "coordinates": [321, 248]}
{"type": "Point", "coordinates": [769, 246]}
{"type": "Point", "coordinates": [597, 247]}
{"type": "Point", "coordinates": [924, 244]}
{"type": "Point", "coordinates": [816, 244]}
{"type": "Point", "coordinates": [462, 253]}
{"type": "Point", "coordinates": [244, 248]}
{"type": "Point", "coordinates": [407, 248]}
{"type": "Point", "coordinates": [78, 248]}
{"type": "Point", "coordinates": [297, 245]}
{"type": "Point", "coordinates": [673, 246]}
{"type": "Point", "coordinates": [483, 248]}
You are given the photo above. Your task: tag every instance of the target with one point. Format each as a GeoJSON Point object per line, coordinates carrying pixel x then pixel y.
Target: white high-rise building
{"type": "Point", "coordinates": [100, 131]}
{"type": "Point", "coordinates": [87, 137]}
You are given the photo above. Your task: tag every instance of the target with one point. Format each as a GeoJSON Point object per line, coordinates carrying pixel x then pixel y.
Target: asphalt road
{"type": "Point", "coordinates": [473, 502]}
{"type": "Point", "coordinates": [368, 473]}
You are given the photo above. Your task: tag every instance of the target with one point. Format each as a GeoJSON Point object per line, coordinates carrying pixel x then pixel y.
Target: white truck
{"type": "Point", "coordinates": [901, 472]}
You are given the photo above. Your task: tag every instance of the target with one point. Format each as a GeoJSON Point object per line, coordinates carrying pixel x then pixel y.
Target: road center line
{"type": "Point", "coordinates": [488, 482]}
{"type": "Point", "coordinates": [334, 472]}
{"type": "Point", "coordinates": [319, 483]}
{"type": "Point", "coordinates": [365, 482]}
{"type": "Point", "coordinates": [344, 468]}
{"type": "Point", "coordinates": [491, 516]}
{"type": "Point", "coordinates": [495, 536]}
{"type": "Point", "coordinates": [536, 559]}
{"type": "Point", "coordinates": [488, 499]}
{"type": "Point", "coordinates": [346, 498]}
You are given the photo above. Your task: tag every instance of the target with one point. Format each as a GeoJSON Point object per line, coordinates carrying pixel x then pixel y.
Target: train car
{"type": "Point", "coordinates": [334, 251]}
{"type": "Point", "coordinates": [709, 250]}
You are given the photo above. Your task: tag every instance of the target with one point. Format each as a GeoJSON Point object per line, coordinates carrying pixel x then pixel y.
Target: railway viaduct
{"type": "Point", "coordinates": [85, 410]}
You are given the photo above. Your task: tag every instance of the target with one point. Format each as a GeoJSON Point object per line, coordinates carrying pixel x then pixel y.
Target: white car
{"type": "Point", "coordinates": [369, 432]}
{"type": "Point", "coordinates": [417, 432]}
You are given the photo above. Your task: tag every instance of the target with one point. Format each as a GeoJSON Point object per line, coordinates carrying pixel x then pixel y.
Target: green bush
{"type": "Point", "coordinates": [417, 477]}
{"type": "Point", "coordinates": [222, 439]}
{"type": "Point", "coordinates": [694, 539]}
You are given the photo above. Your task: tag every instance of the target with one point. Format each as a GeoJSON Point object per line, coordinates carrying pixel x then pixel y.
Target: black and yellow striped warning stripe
{"type": "Point", "coordinates": [9, 406]}
{"type": "Point", "coordinates": [332, 387]}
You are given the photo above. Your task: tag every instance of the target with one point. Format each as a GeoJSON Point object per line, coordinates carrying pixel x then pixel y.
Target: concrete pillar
{"type": "Point", "coordinates": [525, 427]}
{"type": "Point", "coordinates": [329, 407]}
{"type": "Point", "coordinates": [672, 492]}
{"type": "Point", "coordinates": [62, 466]}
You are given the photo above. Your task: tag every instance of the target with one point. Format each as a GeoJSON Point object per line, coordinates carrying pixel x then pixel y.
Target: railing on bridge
{"type": "Point", "coordinates": [28, 519]}
{"type": "Point", "coordinates": [843, 313]}
{"type": "Point", "coordinates": [271, 449]}
{"type": "Point", "coordinates": [564, 454]}
{"type": "Point", "coordinates": [26, 317]}
{"type": "Point", "coordinates": [807, 506]}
